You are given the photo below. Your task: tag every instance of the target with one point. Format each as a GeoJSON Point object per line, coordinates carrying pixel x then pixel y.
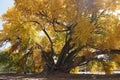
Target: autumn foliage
{"type": "Point", "coordinates": [60, 35]}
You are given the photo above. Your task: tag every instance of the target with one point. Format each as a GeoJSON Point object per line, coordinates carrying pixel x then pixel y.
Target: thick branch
{"type": "Point", "coordinates": [48, 59]}
{"type": "Point", "coordinates": [52, 53]}
{"type": "Point", "coordinates": [112, 51]}
{"type": "Point", "coordinates": [115, 51]}
{"type": "Point", "coordinates": [63, 53]}
{"type": "Point", "coordinates": [82, 60]}
{"type": "Point", "coordinates": [51, 42]}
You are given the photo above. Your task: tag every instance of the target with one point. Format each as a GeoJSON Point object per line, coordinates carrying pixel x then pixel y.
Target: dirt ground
{"type": "Point", "coordinates": [13, 76]}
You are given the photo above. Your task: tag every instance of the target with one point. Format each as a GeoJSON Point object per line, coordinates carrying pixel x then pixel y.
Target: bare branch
{"type": "Point", "coordinates": [115, 51]}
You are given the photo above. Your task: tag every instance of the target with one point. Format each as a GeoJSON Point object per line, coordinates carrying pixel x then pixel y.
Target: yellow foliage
{"type": "Point", "coordinates": [83, 32]}
{"type": "Point", "coordinates": [109, 37]}
{"type": "Point", "coordinates": [26, 19]}
{"type": "Point", "coordinates": [38, 60]}
{"type": "Point", "coordinates": [103, 66]}
{"type": "Point", "coordinates": [75, 70]}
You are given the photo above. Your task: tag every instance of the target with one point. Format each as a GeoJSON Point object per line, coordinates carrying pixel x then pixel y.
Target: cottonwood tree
{"type": "Point", "coordinates": [64, 33]}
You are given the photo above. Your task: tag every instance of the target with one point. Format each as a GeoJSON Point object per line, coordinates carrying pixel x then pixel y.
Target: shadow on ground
{"type": "Point", "coordinates": [13, 76]}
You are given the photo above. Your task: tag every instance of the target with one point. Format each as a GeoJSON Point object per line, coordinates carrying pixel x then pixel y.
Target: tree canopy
{"type": "Point", "coordinates": [59, 35]}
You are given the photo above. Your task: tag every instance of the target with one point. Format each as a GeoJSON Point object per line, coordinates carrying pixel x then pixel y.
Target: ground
{"type": "Point", "coordinates": [13, 76]}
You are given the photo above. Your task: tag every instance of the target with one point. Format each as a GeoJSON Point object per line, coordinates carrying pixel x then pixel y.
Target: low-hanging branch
{"type": "Point", "coordinates": [112, 51]}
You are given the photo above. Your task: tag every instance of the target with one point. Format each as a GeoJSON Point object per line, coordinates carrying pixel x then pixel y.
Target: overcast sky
{"type": "Point", "coordinates": [4, 4]}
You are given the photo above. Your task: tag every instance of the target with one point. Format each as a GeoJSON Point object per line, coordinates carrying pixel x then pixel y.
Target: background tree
{"type": "Point", "coordinates": [73, 31]}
